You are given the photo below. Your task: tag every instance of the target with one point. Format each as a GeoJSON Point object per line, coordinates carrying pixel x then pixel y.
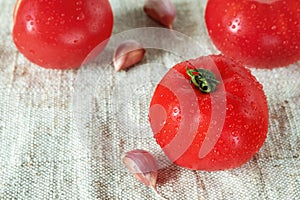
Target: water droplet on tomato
{"type": "Point", "coordinates": [50, 18]}
{"type": "Point", "coordinates": [32, 51]}
{"type": "Point", "coordinates": [30, 26]}
{"type": "Point", "coordinates": [78, 3]}
{"type": "Point", "coordinates": [175, 114]}
{"type": "Point", "coordinates": [230, 107]}
{"type": "Point", "coordinates": [213, 122]}
{"type": "Point", "coordinates": [235, 25]}
{"type": "Point", "coordinates": [235, 141]}
{"type": "Point", "coordinates": [162, 142]}
{"type": "Point", "coordinates": [235, 133]}
{"type": "Point", "coordinates": [80, 17]}
{"type": "Point", "coordinates": [253, 7]}
{"type": "Point", "coordinates": [28, 18]}
{"type": "Point", "coordinates": [216, 152]}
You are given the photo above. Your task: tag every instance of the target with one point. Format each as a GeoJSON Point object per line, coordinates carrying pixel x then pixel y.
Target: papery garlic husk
{"type": "Point", "coordinates": [162, 11]}
{"type": "Point", "coordinates": [128, 53]}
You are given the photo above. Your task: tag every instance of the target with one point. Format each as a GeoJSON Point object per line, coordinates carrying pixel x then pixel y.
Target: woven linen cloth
{"type": "Point", "coordinates": [62, 133]}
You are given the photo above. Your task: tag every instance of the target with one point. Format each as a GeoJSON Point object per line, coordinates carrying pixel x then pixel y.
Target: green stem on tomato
{"type": "Point", "coordinates": [203, 79]}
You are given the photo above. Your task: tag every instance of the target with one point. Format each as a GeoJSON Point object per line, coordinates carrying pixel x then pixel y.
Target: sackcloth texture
{"type": "Point", "coordinates": [62, 133]}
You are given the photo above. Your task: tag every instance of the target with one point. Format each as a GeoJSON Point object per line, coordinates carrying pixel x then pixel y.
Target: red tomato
{"type": "Point", "coordinates": [219, 130]}
{"type": "Point", "coordinates": [258, 33]}
{"type": "Point", "coordinates": [61, 33]}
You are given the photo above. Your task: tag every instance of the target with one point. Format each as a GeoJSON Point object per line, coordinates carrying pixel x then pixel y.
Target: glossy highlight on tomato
{"type": "Point", "coordinates": [60, 34]}
{"type": "Point", "coordinates": [219, 130]}
{"type": "Point", "coordinates": [258, 33]}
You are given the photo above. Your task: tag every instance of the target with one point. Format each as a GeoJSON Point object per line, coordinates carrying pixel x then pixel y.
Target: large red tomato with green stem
{"type": "Point", "coordinates": [209, 113]}
{"type": "Point", "coordinates": [61, 33]}
{"type": "Point", "coordinates": [258, 33]}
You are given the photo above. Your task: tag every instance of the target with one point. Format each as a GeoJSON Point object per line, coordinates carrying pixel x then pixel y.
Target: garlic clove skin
{"type": "Point", "coordinates": [128, 53]}
{"type": "Point", "coordinates": [142, 165]}
{"type": "Point", "coordinates": [162, 11]}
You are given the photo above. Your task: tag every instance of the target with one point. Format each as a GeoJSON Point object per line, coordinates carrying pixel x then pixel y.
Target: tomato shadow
{"type": "Point", "coordinates": [168, 174]}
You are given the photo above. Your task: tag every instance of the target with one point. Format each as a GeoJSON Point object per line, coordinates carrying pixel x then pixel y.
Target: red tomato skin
{"type": "Point", "coordinates": [256, 33]}
{"type": "Point", "coordinates": [246, 116]}
{"type": "Point", "coordinates": [60, 34]}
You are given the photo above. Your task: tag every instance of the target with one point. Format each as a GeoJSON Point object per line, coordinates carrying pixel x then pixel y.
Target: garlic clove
{"type": "Point", "coordinates": [148, 178]}
{"type": "Point", "coordinates": [142, 165]}
{"type": "Point", "coordinates": [127, 54]}
{"type": "Point", "coordinates": [162, 11]}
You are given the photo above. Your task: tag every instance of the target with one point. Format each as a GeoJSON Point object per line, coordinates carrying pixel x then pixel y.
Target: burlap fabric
{"type": "Point", "coordinates": [62, 133]}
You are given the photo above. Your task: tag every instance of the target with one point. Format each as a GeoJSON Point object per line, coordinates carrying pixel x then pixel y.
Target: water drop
{"type": "Point", "coordinates": [236, 76]}
{"type": "Point", "coordinates": [230, 107]}
{"type": "Point", "coordinates": [28, 17]}
{"type": "Point", "coordinates": [216, 152]}
{"type": "Point", "coordinates": [235, 133]}
{"type": "Point", "coordinates": [235, 25]}
{"type": "Point", "coordinates": [78, 3]}
{"type": "Point", "coordinates": [175, 114]}
{"type": "Point", "coordinates": [246, 126]}
{"type": "Point", "coordinates": [253, 6]}
{"type": "Point", "coordinates": [80, 17]}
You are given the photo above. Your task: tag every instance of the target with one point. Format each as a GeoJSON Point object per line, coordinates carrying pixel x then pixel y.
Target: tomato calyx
{"type": "Point", "coordinates": [203, 79]}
